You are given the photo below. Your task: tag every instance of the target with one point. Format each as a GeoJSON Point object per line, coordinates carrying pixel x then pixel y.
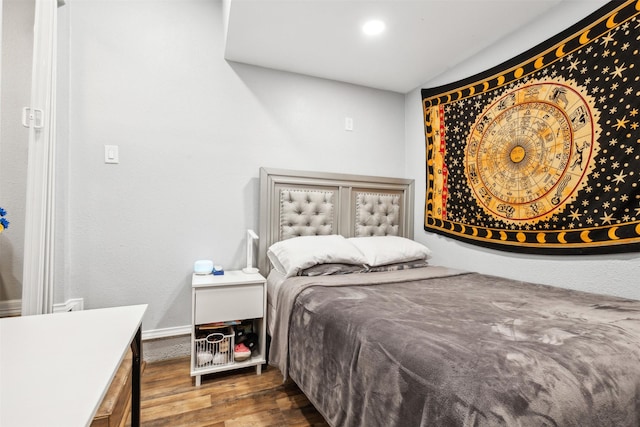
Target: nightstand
{"type": "Point", "coordinates": [218, 305]}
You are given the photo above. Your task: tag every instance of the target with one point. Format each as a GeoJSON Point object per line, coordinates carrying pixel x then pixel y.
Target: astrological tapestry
{"type": "Point", "coordinates": [542, 153]}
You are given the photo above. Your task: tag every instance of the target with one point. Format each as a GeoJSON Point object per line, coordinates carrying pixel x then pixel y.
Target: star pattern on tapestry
{"type": "Point", "coordinates": [496, 175]}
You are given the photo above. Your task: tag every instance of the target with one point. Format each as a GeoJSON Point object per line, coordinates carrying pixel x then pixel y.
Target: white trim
{"type": "Point", "coordinates": [12, 307]}
{"type": "Point", "coordinates": [37, 280]}
{"type": "Point", "coordinates": [166, 332]}
{"type": "Point", "coordinates": [73, 304]}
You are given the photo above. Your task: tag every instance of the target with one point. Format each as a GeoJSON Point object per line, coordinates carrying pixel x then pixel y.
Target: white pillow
{"type": "Point", "coordinates": [383, 250]}
{"type": "Point", "coordinates": [295, 254]}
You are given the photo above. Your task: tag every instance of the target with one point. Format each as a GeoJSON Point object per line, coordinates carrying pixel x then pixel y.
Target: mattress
{"type": "Point", "coordinates": [274, 281]}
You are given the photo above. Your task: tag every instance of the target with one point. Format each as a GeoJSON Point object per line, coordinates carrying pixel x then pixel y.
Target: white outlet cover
{"type": "Point", "coordinates": [111, 154]}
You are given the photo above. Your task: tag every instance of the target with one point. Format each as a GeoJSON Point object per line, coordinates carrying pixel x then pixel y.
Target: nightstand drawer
{"type": "Point", "coordinates": [229, 303]}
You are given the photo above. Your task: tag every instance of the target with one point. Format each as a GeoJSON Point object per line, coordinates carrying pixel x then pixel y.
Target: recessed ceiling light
{"type": "Point", "coordinates": [373, 27]}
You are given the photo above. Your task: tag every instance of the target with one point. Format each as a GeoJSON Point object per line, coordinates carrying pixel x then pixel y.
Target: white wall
{"type": "Point", "coordinates": [193, 131]}
{"type": "Point", "coordinates": [609, 274]}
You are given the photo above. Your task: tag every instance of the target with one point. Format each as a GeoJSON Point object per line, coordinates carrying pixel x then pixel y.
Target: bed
{"type": "Point", "coordinates": [389, 340]}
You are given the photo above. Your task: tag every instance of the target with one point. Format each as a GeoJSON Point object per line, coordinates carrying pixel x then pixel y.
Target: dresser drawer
{"type": "Point", "coordinates": [232, 302]}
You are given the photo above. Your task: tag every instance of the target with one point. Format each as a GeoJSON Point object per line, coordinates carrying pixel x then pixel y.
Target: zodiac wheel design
{"type": "Point", "coordinates": [531, 150]}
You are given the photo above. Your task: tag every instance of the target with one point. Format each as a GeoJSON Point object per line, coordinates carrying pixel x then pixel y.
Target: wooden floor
{"type": "Point", "coordinates": [232, 399]}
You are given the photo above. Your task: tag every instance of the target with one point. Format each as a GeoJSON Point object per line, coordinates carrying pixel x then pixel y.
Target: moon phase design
{"type": "Point", "coordinates": [584, 37]}
{"type": "Point", "coordinates": [531, 149]}
{"type": "Point", "coordinates": [561, 238]}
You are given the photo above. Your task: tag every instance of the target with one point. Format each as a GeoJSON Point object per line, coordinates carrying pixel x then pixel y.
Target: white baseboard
{"type": "Point", "coordinates": [73, 304]}
{"type": "Point", "coordinates": [10, 308]}
{"type": "Point", "coordinates": [14, 307]}
{"type": "Point", "coordinates": [175, 331]}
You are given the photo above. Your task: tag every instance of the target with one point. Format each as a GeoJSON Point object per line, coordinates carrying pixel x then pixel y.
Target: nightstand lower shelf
{"type": "Point", "coordinates": [256, 361]}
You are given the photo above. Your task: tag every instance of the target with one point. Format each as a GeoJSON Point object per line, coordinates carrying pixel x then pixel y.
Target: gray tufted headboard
{"type": "Point", "coordinates": [299, 203]}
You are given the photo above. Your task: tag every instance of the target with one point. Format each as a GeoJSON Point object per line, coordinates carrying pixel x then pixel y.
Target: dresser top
{"type": "Point", "coordinates": [63, 361]}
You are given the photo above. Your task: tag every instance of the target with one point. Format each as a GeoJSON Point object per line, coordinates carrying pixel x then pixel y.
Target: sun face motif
{"type": "Point", "coordinates": [531, 149]}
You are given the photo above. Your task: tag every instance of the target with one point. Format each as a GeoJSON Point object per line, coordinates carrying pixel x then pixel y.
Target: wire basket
{"type": "Point", "coordinates": [215, 349]}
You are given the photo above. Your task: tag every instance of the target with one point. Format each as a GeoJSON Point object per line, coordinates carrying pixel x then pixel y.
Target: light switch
{"type": "Point", "coordinates": [111, 154]}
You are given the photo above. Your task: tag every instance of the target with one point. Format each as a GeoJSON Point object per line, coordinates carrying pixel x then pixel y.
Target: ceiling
{"type": "Point", "coordinates": [323, 38]}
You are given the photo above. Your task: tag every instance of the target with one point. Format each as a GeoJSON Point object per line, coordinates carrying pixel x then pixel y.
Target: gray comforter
{"type": "Point", "coordinates": [436, 347]}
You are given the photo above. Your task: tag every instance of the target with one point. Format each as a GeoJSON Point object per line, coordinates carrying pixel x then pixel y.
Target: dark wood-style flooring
{"type": "Point", "coordinates": [231, 399]}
